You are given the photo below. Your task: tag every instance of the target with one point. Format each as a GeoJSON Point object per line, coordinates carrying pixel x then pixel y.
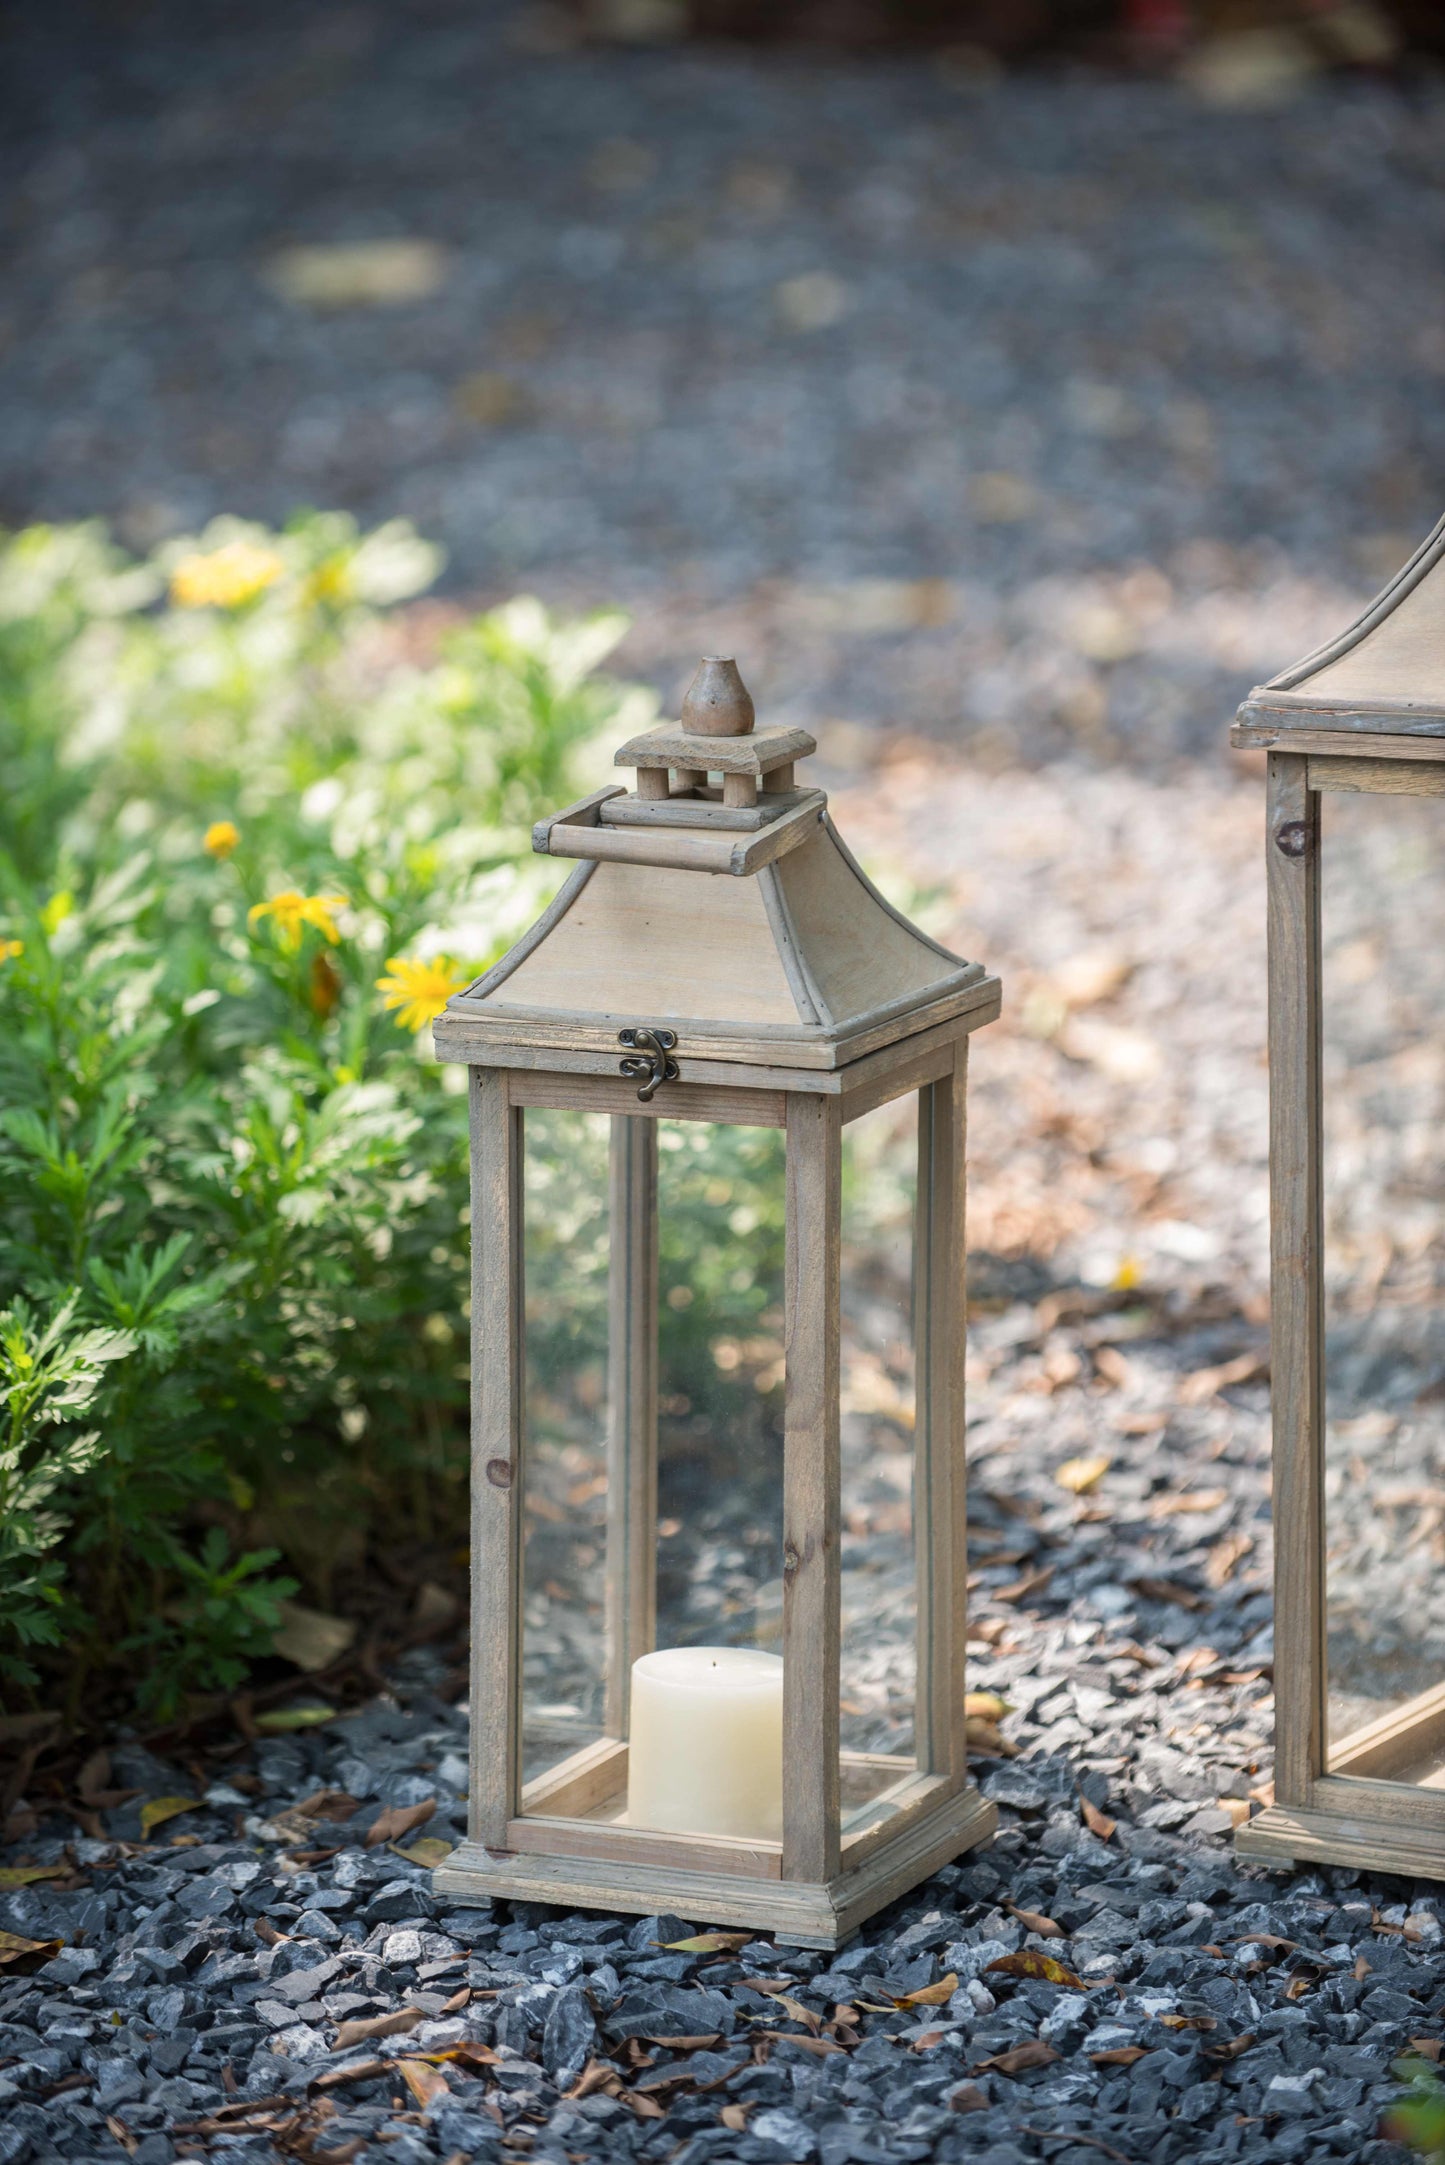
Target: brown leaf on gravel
{"type": "Point", "coordinates": [1119, 2056]}
{"type": "Point", "coordinates": [1231, 2047]}
{"type": "Point", "coordinates": [1097, 1822]}
{"type": "Point", "coordinates": [1033, 1921]}
{"type": "Point", "coordinates": [707, 1943]}
{"type": "Point", "coordinates": [425, 2083]}
{"type": "Point", "coordinates": [1206, 1383]}
{"type": "Point", "coordinates": [1225, 1557]}
{"type": "Point", "coordinates": [1079, 1475]}
{"type": "Point", "coordinates": [1429, 2048]}
{"type": "Point", "coordinates": [396, 2024]}
{"type": "Point", "coordinates": [1167, 1590]}
{"type": "Point", "coordinates": [358, 2071]}
{"type": "Point", "coordinates": [596, 2075]}
{"type": "Point", "coordinates": [1028, 1962]}
{"type": "Point", "coordinates": [1033, 1582]}
{"type": "Point", "coordinates": [19, 1953]}
{"type": "Point", "coordinates": [709, 2043]}
{"type": "Point", "coordinates": [968, 2098]}
{"type": "Point", "coordinates": [397, 1820]}
{"type": "Point", "coordinates": [1178, 1503]}
{"type": "Point", "coordinates": [327, 1804]}
{"type": "Point", "coordinates": [1032, 2053]}
{"type": "Point", "coordinates": [735, 2117]}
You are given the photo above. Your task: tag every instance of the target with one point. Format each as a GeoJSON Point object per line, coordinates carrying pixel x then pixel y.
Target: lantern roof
{"type": "Point", "coordinates": [715, 901]}
{"type": "Point", "coordinates": [1385, 675]}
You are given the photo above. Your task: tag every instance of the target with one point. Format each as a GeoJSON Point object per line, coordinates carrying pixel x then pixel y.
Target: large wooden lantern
{"type": "Point", "coordinates": [665, 1074]}
{"type": "Point", "coordinates": [1355, 737]}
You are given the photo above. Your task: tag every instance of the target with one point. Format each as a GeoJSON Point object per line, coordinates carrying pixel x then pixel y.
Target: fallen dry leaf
{"type": "Point", "coordinates": [988, 1742]}
{"type": "Point", "coordinates": [25, 1875]}
{"type": "Point", "coordinates": [1226, 1556]}
{"type": "Point", "coordinates": [1231, 2048]}
{"type": "Point", "coordinates": [1032, 2053]}
{"type": "Point", "coordinates": [336, 1804]}
{"type": "Point", "coordinates": [160, 1809]}
{"type": "Point", "coordinates": [1429, 2048]}
{"type": "Point", "coordinates": [968, 2098]}
{"type": "Point", "coordinates": [1028, 1962]}
{"type": "Point", "coordinates": [397, 1820]}
{"type": "Point", "coordinates": [1097, 1822]}
{"type": "Point", "coordinates": [1180, 1503]}
{"type": "Point", "coordinates": [19, 1953]}
{"type": "Point", "coordinates": [985, 1706]}
{"type": "Point", "coordinates": [1079, 1475]}
{"type": "Point", "coordinates": [735, 2117]}
{"type": "Point", "coordinates": [1119, 2056]}
{"type": "Point", "coordinates": [1033, 1921]}
{"type": "Point", "coordinates": [1033, 1582]}
{"type": "Point", "coordinates": [396, 2024]}
{"type": "Point", "coordinates": [1183, 1597]}
{"type": "Point", "coordinates": [1236, 1807]}
{"type": "Point", "coordinates": [929, 1995]}
{"type": "Point", "coordinates": [425, 2083]}
{"type": "Point", "coordinates": [429, 1850]}
{"type": "Point", "coordinates": [1206, 1383]}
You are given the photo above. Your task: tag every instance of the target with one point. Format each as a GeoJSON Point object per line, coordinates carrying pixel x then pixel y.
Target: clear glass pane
{"type": "Point", "coordinates": [720, 1385]}
{"type": "Point", "coordinates": [1384, 1119]}
{"type": "Point", "coordinates": [566, 1214]}
{"type": "Point", "coordinates": [879, 1574]}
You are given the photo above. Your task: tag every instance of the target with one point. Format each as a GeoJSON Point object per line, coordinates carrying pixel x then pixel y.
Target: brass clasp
{"type": "Point", "coordinates": [648, 1058]}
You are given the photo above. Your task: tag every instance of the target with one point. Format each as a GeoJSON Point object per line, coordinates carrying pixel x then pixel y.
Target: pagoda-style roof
{"type": "Point", "coordinates": [728, 911]}
{"type": "Point", "coordinates": [1385, 675]}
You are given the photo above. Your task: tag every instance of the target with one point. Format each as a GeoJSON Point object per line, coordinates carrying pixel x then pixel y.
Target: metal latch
{"type": "Point", "coordinates": [648, 1058]}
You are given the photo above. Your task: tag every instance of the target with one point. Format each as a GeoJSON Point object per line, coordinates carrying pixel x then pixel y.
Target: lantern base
{"type": "Point", "coordinates": [797, 1912]}
{"type": "Point", "coordinates": [1282, 1834]}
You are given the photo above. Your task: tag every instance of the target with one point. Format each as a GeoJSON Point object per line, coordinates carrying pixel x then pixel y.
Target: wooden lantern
{"type": "Point", "coordinates": [718, 956]}
{"type": "Point", "coordinates": [1360, 1760]}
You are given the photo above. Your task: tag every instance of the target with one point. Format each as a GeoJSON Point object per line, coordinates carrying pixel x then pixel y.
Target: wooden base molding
{"type": "Point", "coordinates": [800, 1913]}
{"type": "Point", "coordinates": [1368, 1841]}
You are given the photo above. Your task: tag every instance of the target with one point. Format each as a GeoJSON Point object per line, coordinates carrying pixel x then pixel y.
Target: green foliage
{"type": "Point", "coordinates": [1419, 2117]}
{"type": "Point", "coordinates": [236, 799]}
{"type": "Point", "coordinates": [50, 1372]}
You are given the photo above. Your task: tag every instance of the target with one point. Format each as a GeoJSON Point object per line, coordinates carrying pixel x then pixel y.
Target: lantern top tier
{"type": "Point", "coordinates": [1384, 676]}
{"type": "Point", "coordinates": [716, 903]}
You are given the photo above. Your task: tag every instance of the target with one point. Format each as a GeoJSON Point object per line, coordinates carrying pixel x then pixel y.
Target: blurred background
{"type": "Point", "coordinates": [1035, 373]}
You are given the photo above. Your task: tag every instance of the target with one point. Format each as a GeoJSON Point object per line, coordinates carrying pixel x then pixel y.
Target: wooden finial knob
{"type": "Point", "coordinates": [717, 702]}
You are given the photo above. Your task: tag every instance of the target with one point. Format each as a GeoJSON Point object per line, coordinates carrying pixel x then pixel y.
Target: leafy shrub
{"type": "Point", "coordinates": [250, 840]}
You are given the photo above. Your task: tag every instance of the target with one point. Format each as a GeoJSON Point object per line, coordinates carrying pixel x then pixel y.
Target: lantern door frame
{"type": "Point", "coordinates": [536, 1842]}
{"type": "Point", "coordinates": [1332, 1806]}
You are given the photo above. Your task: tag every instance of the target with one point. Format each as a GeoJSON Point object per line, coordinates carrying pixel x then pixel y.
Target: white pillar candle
{"type": "Point", "coordinates": [705, 1754]}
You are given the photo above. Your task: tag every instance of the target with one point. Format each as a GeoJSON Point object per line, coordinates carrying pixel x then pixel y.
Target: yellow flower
{"type": "Point", "coordinates": [420, 990]}
{"type": "Point", "coordinates": [223, 578]}
{"type": "Point", "coordinates": [221, 838]}
{"type": "Point", "coordinates": [10, 948]}
{"type": "Point", "coordinates": [293, 911]}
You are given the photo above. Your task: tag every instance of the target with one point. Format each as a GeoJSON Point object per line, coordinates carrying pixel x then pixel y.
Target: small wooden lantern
{"type": "Point", "coordinates": [1364, 713]}
{"type": "Point", "coordinates": [718, 956]}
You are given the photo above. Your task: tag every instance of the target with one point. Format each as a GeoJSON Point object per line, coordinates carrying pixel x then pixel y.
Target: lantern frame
{"type": "Point", "coordinates": [539, 1841]}
{"type": "Point", "coordinates": [1365, 713]}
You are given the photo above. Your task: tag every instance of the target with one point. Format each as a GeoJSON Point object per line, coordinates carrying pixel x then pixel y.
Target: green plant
{"type": "Point", "coordinates": [1419, 2116]}
{"type": "Point", "coordinates": [250, 840]}
{"type": "Point", "coordinates": [50, 1372]}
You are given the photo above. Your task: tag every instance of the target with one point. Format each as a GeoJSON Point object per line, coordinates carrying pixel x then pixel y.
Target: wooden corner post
{"type": "Point", "coordinates": [812, 1585]}
{"type": "Point", "coordinates": [497, 1450]}
{"type": "Point", "coordinates": [632, 1410]}
{"type": "Point", "coordinates": [939, 1502]}
{"type": "Point", "coordinates": [1296, 1275]}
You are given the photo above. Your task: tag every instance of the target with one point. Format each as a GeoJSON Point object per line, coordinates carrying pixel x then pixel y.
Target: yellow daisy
{"type": "Point", "coordinates": [224, 578]}
{"type": "Point", "coordinates": [292, 912]}
{"type": "Point", "coordinates": [221, 838]}
{"type": "Point", "coordinates": [10, 948]}
{"type": "Point", "coordinates": [418, 991]}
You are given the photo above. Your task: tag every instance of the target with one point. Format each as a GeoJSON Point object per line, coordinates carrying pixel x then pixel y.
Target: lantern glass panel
{"type": "Point", "coordinates": [1383, 939]}
{"type": "Point", "coordinates": [720, 1202]}
{"type": "Point", "coordinates": [566, 1218]}
{"type": "Point", "coordinates": [878, 1409]}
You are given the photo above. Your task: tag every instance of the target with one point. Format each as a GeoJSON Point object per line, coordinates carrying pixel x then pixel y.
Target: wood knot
{"type": "Point", "coordinates": [499, 1472]}
{"type": "Point", "coordinates": [717, 703]}
{"type": "Point", "coordinates": [1293, 838]}
{"type": "Point", "coordinates": [791, 1560]}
